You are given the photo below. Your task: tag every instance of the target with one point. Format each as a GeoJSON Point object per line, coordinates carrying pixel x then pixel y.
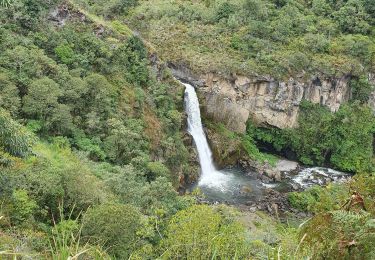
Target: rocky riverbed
{"type": "Point", "coordinates": [253, 190]}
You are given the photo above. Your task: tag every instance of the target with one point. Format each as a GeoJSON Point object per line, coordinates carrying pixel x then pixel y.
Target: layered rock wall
{"type": "Point", "coordinates": [268, 102]}
{"type": "Point", "coordinates": [233, 100]}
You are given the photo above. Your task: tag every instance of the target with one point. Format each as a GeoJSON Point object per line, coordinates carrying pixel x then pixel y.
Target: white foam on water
{"type": "Point", "coordinates": [318, 176]}
{"type": "Point", "coordinates": [210, 176]}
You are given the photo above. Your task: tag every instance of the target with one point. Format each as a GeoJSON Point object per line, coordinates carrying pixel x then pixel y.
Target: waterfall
{"type": "Point", "coordinates": [209, 175]}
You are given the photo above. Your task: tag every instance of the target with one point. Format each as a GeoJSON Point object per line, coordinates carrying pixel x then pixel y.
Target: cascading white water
{"type": "Point", "coordinates": [232, 185]}
{"type": "Point", "coordinates": [209, 175]}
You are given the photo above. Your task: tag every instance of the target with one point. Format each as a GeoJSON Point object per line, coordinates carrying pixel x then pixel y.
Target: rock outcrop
{"type": "Point", "coordinates": [266, 101]}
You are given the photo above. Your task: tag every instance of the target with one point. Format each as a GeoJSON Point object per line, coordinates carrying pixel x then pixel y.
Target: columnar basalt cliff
{"type": "Point", "coordinates": [268, 102]}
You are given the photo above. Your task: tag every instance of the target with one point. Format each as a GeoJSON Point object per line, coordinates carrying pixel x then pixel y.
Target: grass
{"type": "Point", "coordinates": [66, 242]}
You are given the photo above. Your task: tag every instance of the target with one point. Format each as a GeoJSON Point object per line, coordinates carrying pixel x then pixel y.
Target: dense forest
{"type": "Point", "coordinates": [93, 142]}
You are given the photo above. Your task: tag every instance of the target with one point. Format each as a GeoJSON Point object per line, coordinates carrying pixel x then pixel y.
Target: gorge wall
{"type": "Point", "coordinates": [233, 100]}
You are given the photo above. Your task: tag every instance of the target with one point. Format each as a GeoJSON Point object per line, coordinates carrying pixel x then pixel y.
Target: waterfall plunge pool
{"type": "Point", "coordinates": [236, 186]}
{"type": "Point", "coordinates": [232, 185]}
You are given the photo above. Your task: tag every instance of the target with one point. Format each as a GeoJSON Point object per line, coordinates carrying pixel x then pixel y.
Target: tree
{"type": "Point", "coordinates": [22, 206]}
{"type": "Point", "coordinates": [321, 7]}
{"type": "Point", "coordinates": [27, 64]}
{"type": "Point", "coordinates": [353, 132]}
{"type": "Point", "coordinates": [369, 5]}
{"type": "Point", "coordinates": [160, 195]}
{"type": "Point", "coordinates": [312, 140]}
{"type": "Point", "coordinates": [361, 89]}
{"type": "Point", "coordinates": [123, 6]}
{"type": "Point", "coordinates": [55, 178]}
{"type": "Point", "coordinates": [125, 140]}
{"type": "Point", "coordinates": [224, 10]}
{"type": "Point", "coordinates": [99, 102]}
{"type": "Point", "coordinates": [157, 169]}
{"type": "Point", "coordinates": [14, 138]}
{"type": "Point", "coordinates": [41, 103]}
{"type": "Point", "coordinates": [6, 3]}
{"type": "Point", "coordinates": [42, 98]}
{"type": "Point", "coordinates": [257, 9]}
{"type": "Point", "coordinates": [65, 53]}
{"type": "Point", "coordinates": [9, 95]}
{"type": "Point", "coordinates": [132, 58]}
{"type": "Point", "coordinates": [352, 17]}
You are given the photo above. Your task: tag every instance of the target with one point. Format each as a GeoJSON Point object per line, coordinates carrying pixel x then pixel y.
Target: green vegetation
{"type": "Point", "coordinates": [244, 144]}
{"type": "Point", "coordinates": [88, 136]}
{"type": "Point", "coordinates": [270, 37]}
{"type": "Point", "coordinates": [343, 226]}
{"type": "Point", "coordinates": [342, 139]}
{"type": "Point", "coordinates": [91, 147]}
{"type": "Point", "coordinates": [203, 232]}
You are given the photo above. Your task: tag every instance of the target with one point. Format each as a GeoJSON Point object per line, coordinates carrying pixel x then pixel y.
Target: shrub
{"type": "Point", "coordinates": [22, 207]}
{"type": "Point", "coordinates": [224, 10]}
{"type": "Point", "coordinates": [115, 227]}
{"type": "Point", "coordinates": [65, 53]}
{"type": "Point", "coordinates": [202, 232]}
{"type": "Point", "coordinates": [157, 169]}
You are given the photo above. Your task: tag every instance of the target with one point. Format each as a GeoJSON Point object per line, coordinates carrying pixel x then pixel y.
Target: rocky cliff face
{"type": "Point", "coordinates": [233, 100]}
{"type": "Point", "coordinates": [266, 101]}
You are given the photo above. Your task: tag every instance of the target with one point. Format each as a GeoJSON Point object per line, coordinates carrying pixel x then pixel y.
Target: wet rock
{"type": "Point", "coordinates": [295, 186]}
{"type": "Point", "coordinates": [308, 177]}
{"type": "Point", "coordinates": [225, 151]}
{"type": "Point", "coordinates": [265, 179]}
{"type": "Point", "coordinates": [183, 73]}
{"type": "Point", "coordinates": [265, 170]}
{"type": "Point", "coordinates": [245, 189]}
{"type": "Point", "coordinates": [286, 165]}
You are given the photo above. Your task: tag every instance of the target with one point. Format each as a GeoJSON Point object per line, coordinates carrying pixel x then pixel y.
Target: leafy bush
{"type": "Point", "coordinates": [361, 89]}
{"type": "Point", "coordinates": [157, 169]}
{"type": "Point", "coordinates": [115, 227]}
{"type": "Point", "coordinates": [203, 232]}
{"type": "Point", "coordinates": [132, 58]}
{"type": "Point", "coordinates": [224, 10]}
{"type": "Point", "coordinates": [65, 53]}
{"type": "Point", "coordinates": [341, 233]}
{"type": "Point", "coordinates": [22, 206]}
{"type": "Point", "coordinates": [14, 138]}
{"type": "Point", "coordinates": [318, 199]}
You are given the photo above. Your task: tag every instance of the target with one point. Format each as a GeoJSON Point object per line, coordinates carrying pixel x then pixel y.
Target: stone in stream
{"type": "Point", "coordinates": [245, 189]}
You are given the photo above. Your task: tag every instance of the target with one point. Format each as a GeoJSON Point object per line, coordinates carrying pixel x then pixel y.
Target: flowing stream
{"type": "Point", "coordinates": [232, 185]}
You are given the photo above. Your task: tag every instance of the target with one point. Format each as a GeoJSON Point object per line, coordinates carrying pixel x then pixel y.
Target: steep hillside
{"type": "Point", "coordinates": [264, 57]}
{"type": "Point", "coordinates": [259, 62]}
{"type": "Point", "coordinates": [94, 154]}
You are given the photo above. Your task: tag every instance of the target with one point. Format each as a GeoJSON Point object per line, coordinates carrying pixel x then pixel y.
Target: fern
{"type": "Point", "coordinates": [348, 218]}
